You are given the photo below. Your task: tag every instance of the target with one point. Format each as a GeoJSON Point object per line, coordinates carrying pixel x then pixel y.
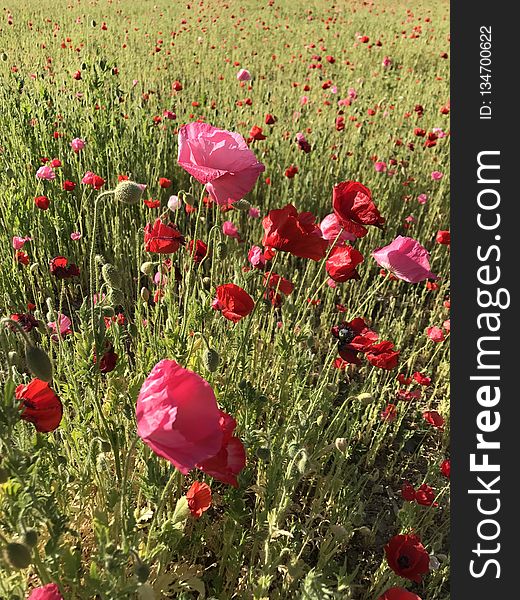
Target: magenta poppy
{"type": "Point", "coordinates": [406, 259]}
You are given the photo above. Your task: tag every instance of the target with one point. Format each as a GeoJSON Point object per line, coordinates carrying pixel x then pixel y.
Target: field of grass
{"type": "Point", "coordinates": [328, 449]}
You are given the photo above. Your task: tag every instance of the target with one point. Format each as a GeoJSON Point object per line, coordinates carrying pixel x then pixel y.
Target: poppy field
{"type": "Point", "coordinates": [225, 300]}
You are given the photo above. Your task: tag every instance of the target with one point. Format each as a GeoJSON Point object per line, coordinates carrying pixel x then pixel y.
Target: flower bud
{"type": "Point", "coordinates": [4, 475]}
{"type": "Point", "coordinates": [145, 294]}
{"type": "Point", "coordinates": [211, 359]}
{"type": "Point", "coordinates": [365, 398]}
{"type": "Point", "coordinates": [111, 276]}
{"type": "Point", "coordinates": [147, 268]}
{"type": "Point", "coordinates": [34, 268]}
{"type": "Point", "coordinates": [3, 56]}
{"type": "Point", "coordinates": [221, 250]}
{"type": "Point", "coordinates": [115, 297]}
{"type": "Point", "coordinates": [18, 555]}
{"type": "Point", "coordinates": [242, 205]}
{"type": "Point", "coordinates": [38, 362]}
{"type": "Point", "coordinates": [108, 311]}
{"type": "Point", "coordinates": [206, 283]}
{"type": "Point", "coordinates": [128, 192]}
{"type": "Point", "coordinates": [263, 453]}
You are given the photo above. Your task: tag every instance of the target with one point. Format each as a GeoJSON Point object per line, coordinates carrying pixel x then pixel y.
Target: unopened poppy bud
{"type": "Point", "coordinates": [38, 362]}
{"type": "Point", "coordinates": [128, 192]}
{"type": "Point", "coordinates": [13, 358]}
{"type": "Point", "coordinates": [301, 465]}
{"type": "Point", "coordinates": [132, 330]}
{"type": "Point", "coordinates": [4, 56]}
{"type": "Point", "coordinates": [105, 446]}
{"type": "Point", "coordinates": [100, 260]}
{"type": "Point", "coordinates": [211, 360]}
{"type": "Point", "coordinates": [339, 531]}
{"type": "Point", "coordinates": [147, 268]}
{"type": "Point", "coordinates": [206, 283]}
{"type": "Point", "coordinates": [10, 173]}
{"type": "Point", "coordinates": [34, 268]}
{"type": "Point", "coordinates": [30, 538]}
{"type": "Point", "coordinates": [221, 250]}
{"type": "Point", "coordinates": [145, 294]}
{"type": "Point", "coordinates": [18, 555]}
{"type": "Point", "coordinates": [189, 199]}
{"type": "Point", "coordinates": [341, 444]}
{"type": "Point", "coordinates": [242, 205]}
{"type": "Point", "coordinates": [181, 512]}
{"type": "Point", "coordinates": [108, 311]}
{"type": "Point", "coordinates": [142, 572]}
{"type": "Point", "coordinates": [115, 297]}
{"type": "Point", "coordinates": [4, 475]}
{"type": "Point", "coordinates": [111, 276]}
{"type": "Point", "coordinates": [365, 398]}
{"type": "Point", "coordinates": [93, 23]}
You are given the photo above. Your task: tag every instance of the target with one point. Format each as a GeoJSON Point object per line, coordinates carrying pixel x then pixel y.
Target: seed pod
{"type": "Point", "coordinates": [111, 276]}
{"type": "Point", "coordinates": [18, 555]}
{"type": "Point", "coordinates": [211, 359]}
{"type": "Point", "coordinates": [38, 362]}
{"type": "Point", "coordinates": [128, 192]}
{"type": "Point", "coordinates": [147, 268]}
{"type": "Point", "coordinates": [30, 538]}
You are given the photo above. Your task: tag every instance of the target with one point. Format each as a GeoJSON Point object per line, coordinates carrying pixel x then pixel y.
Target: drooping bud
{"type": "Point", "coordinates": [111, 276]}
{"type": "Point", "coordinates": [128, 192]}
{"type": "Point", "coordinates": [242, 205]}
{"type": "Point", "coordinates": [211, 359]}
{"type": "Point", "coordinates": [38, 362]}
{"type": "Point", "coordinates": [147, 268]}
{"type": "Point", "coordinates": [221, 250]}
{"type": "Point", "coordinates": [145, 294]}
{"type": "Point", "coordinates": [365, 398]}
{"type": "Point", "coordinates": [115, 297]}
{"type": "Point", "coordinates": [341, 444]}
{"type": "Point", "coordinates": [108, 311]}
{"type": "Point", "coordinates": [18, 555]}
{"type": "Point", "coordinates": [30, 538]}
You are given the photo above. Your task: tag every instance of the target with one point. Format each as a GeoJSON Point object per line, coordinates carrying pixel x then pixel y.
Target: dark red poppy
{"type": "Point", "coordinates": [270, 119]}
{"type": "Point", "coordinates": [422, 379]}
{"type": "Point", "coordinates": [342, 262]}
{"type": "Point", "coordinates": [408, 492]}
{"type": "Point", "coordinates": [383, 355]}
{"type": "Point", "coordinates": [231, 459]}
{"type": "Point", "coordinates": [161, 238]}
{"type": "Point", "coordinates": [69, 186]}
{"type": "Point", "coordinates": [407, 557]}
{"type": "Point", "coordinates": [233, 302]}
{"type": "Point", "coordinates": [22, 257]}
{"type": "Point", "coordinates": [353, 337]}
{"type": "Point", "coordinates": [42, 202]}
{"type": "Point", "coordinates": [177, 86]}
{"type": "Point", "coordinates": [298, 234]}
{"type": "Point", "coordinates": [41, 406]}
{"type": "Point", "coordinates": [291, 171]}
{"type": "Point", "coordinates": [425, 495]}
{"type": "Point", "coordinates": [60, 268]}
{"type": "Point", "coordinates": [108, 361]}
{"type": "Point", "coordinates": [25, 320]}
{"type": "Point", "coordinates": [352, 204]}
{"type": "Point", "coordinates": [434, 418]}
{"type": "Point", "coordinates": [446, 468]}
{"type": "Point", "coordinates": [201, 249]}
{"type": "Point", "coordinates": [199, 498]}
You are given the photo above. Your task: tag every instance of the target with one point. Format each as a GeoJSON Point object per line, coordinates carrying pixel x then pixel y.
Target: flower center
{"type": "Point", "coordinates": [403, 561]}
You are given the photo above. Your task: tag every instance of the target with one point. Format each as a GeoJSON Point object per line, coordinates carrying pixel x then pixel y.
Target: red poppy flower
{"type": "Point", "coordinates": [408, 492]}
{"type": "Point", "coordinates": [390, 413]}
{"type": "Point", "coordinates": [177, 86]}
{"type": "Point", "coordinates": [25, 320]}
{"type": "Point", "coordinates": [352, 204]}
{"type": "Point", "coordinates": [42, 202]}
{"type": "Point", "coordinates": [353, 337]}
{"type": "Point", "coordinates": [446, 468]}
{"type": "Point", "coordinates": [60, 268]}
{"type": "Point", "coordinates": [276, 284]}
{"type": "Point", "coordinates": [291, 171]}
{"type": "Point", "coordinates": [425, 495]}
{"type": "Point", "coordinates": [40, 405]}
{"type": "Point", "coordinates": [22, 257]}
{"type": "Point", "coordinates": [270, 119]}
{"type": "Point", "coordinates": [407, 557]}
{"type": "Point", "coordinates": [69, 186]}
{"type": "Point", "coordinates": [161, 238]}
{"type": "Point", "coordinates": [443, 237]}
{"type": "Point", "coordinates": [434, 418]}
{"type": "Point", "coordinates": [398, 594]}
{"type": "Point", "coordinates": [231, 459]}
{"type": "Point", "coordinates": [383, 356]}
{"type": "Point", "coordinates": [256, 133]}
{"type": "Point", "coordinates": [201, 249]}
{"type": "Point", "coordinates": [422, 379]}
{"type": "Point", "coordinates": [342, 262]}
{"type": "Point", "coordinates": [199, 498]}
{"type": "Point", "coordinates": [165, 183]}
{"type": "Point", "coordinates": [286, 230]}
{"type": "Point", "coordinates": [108, 361]}
{"type": "Point", "coordinates": [233, 302]}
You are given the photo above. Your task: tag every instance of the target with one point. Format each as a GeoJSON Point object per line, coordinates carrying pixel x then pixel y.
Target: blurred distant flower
{"type": "Point", "coordinates": [46, 173]}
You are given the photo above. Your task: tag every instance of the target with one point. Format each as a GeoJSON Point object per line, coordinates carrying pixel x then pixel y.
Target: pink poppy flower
{"type": "Point", "coordinates": [256, 257]}
{"type": "Point", "coordinates": [63, 329]}
{"type": "Point", "coordinates": [243, 75]}
{"type": "Point", "coordinates": [406, 259]}
{"type": "Point", "coordinates": [380, 166]}
{"type": "Point", "coordinates": [177, 416]}
{"type": "Point", "coordinates": [77, 144]}
{"type": "Point", "coordinates": [219, 159]}
{"type": "Point", "coordinates": [422, 198]}
{"type": "Point", "coordinates": [254, 213]}
{"type": "Point", "coordinates": [331, 228]}
{"type": "Point", "coordinates": [436, 334]}
{"type": "Point", "coordinates": [46, 592]}
{"type": "Point", "coordinates": [75, 236]}
{"type": "Point", "coordinates": [387, 62]}
{"type": "Point", "coordinates": [46, 173]}
{"type": "Point", "coordinates": [436, 175]}
{"type": "Point", "coordinates": [18, 242]}
{"type": "Point", "coordinates": [230, 229]}
{"type": "Point", "coordinates": [352, 94]}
